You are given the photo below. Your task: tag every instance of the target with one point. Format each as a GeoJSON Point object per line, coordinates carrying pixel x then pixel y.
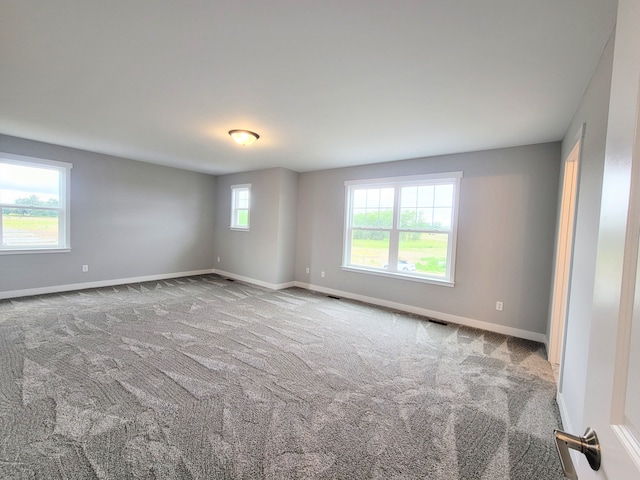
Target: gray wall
{"type": "Point", "coordinates": [508, 203]}
{"type": "Point", "coordinates": [132, 219]}
{"type": "Point", "coordinates": [593, 111]}
{"type": "Point", "coordinates": [266, 252]}
{"type": "Point", "coordinates": [128, 219]}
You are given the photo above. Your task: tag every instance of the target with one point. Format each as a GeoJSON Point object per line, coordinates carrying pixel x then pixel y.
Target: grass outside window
{"type": "Point", "coordinates": [29, 230]}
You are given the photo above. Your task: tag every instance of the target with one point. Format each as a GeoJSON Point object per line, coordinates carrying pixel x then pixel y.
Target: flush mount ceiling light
{"type": "Point", "coordinates": [244, 137]}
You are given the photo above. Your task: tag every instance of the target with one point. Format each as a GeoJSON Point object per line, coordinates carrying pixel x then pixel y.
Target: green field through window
{"type": "Point", "coordinates": [427, 251]}
{"type": "Point", "coordinates": [29, 229]}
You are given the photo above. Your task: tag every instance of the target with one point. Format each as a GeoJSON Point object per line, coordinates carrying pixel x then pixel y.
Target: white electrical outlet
{"type": "Point", "coordinates": [85, 268]}
{"type": "Point", "coordinates": [218, 259]}
{"type": "Point", "coordinates": [499, 306]}
{"type": "Point", "coordinates": [307, 270]}
{"type": "Point", "coordinates": [322, 274]}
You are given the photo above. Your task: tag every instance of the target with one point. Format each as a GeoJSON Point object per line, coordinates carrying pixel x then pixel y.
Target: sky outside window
{"type": "Point", "coordinates": [18, 181]}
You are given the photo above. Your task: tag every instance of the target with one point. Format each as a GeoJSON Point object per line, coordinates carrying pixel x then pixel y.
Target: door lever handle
{"type": "Point", "coordinates": [587, 444]}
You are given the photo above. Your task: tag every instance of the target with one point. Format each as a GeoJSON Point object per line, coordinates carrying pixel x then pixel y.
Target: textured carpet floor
{"type": "Point", "coordinates": [203, 378]}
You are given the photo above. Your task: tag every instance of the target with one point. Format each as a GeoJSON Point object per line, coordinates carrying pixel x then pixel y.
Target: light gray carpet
{"type": "Point", "coordinates": [203, 378]}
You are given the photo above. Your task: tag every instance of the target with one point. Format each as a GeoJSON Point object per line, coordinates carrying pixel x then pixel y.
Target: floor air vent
{"type": "Point", "coordinates": [439, 322]}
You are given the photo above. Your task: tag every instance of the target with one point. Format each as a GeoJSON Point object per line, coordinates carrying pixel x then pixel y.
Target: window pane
{"type": "Point", "coordinates": [421, 196]}
{"type": "Point", "coordinates": [386, 218]}
{"type": "Point", "coordinates": [442, 218]}
{"type": "Point", "coordinates": [373, 198]}
{"type": "Point", "coordinates": [408, 197]}
{"type": "Point", "coordinates": [359, 199]}
{"type": "Point", "coordinates": [423, 252]}
{"type": "Point", "coordinates": [28, 227]}
{"type": "Point", "coordinates": [443, 196]}
{"type": "Point", "coordinates": [417, 210]}
{"type": "Point", "coordinates": [373, 207]}
{"type": "Point", "coordinates": [369, 248]}
{"type": "Point", "coordinates": [242, 218]}
{"type": "Point", "coordinates": [415, 207]}
{"type": "Point", "coordinates": [372, 217]}
{"type": "Point", "coordinates": [425, 218]}
{"type": "Point", "coordinates": [408, 218]}
{"type": "Point", "coordinates": [242, 198]}
{"type": "Point", "coordinates": [31, 186]}
{"type": "Point", "coordinates": [359, 217]}
{"type": "Point", "coordinates": [425, 196]}
{"type": "Point", "coordinates": [386, 198]}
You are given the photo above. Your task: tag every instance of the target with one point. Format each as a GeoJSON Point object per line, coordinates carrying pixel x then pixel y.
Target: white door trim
{"type": "Point", "coordinates": [564, 249]}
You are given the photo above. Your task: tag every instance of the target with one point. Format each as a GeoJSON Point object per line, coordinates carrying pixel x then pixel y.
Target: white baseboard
{"type": "Point", "coordinates": [568, 427]}
{"type": "Point", "coordinates": [446, 317]}
{"type": "Point", "coordinates": [564, 414]}
{"type": "Point", "coordinates": [103, 283]}
{"type": "Point", "coordinates": [260, 283]}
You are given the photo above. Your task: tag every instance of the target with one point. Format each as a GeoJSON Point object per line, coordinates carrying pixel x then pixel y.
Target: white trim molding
{"type": "Point", "coordinates": [102, 283]}
{"type": "Point", "coordinates": [253, 281]}
{"type": "Point", "coordinates": [445, 317]}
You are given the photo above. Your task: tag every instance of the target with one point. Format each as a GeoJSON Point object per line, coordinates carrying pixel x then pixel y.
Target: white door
{"type": "Point", "coordinates": [612, 397]}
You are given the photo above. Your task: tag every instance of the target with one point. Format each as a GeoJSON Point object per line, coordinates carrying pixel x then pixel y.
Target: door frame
{"type": "Point", "coordinates": [564, 249]}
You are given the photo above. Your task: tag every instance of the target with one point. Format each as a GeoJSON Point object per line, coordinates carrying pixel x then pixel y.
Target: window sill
{"type": "Point", "coordinates": [400, 276]}
{"type": "Point", "coordinates": [25, 251]}
{"type": "Point", "coordinates": [239, 229]}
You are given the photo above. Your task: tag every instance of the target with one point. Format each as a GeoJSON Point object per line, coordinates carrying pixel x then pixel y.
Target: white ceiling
{"type": "Point", "coordinates": [325, 83]}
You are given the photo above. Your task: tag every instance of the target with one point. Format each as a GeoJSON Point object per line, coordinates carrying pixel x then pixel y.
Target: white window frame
{"type": "Point", "coordinates": [235, 191]}
{"type": "Point", "coordinates": [63, 210]}
{"type": "Point", "coordinates": [450, 178]}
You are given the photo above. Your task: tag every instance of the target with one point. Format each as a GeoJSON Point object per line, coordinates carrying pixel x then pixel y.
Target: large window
{"type": "Point", "coordinates": [403, 226]}
{"type": "Point", "coordinates": [240, 206]}
{"type": "Point", "coordinates": [34, 198]}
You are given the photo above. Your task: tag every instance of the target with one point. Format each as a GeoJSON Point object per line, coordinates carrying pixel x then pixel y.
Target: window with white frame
{"type": "Point", "coordinates": [403, 226]}
{"type": "Point", "coordinates": [240, 206]}
{"type": "Point", "coordinates": [34, 198]}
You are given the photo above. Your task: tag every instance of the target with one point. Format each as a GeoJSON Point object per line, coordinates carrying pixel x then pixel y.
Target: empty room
{"type": "Point", "coordinates": [319, 240]}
